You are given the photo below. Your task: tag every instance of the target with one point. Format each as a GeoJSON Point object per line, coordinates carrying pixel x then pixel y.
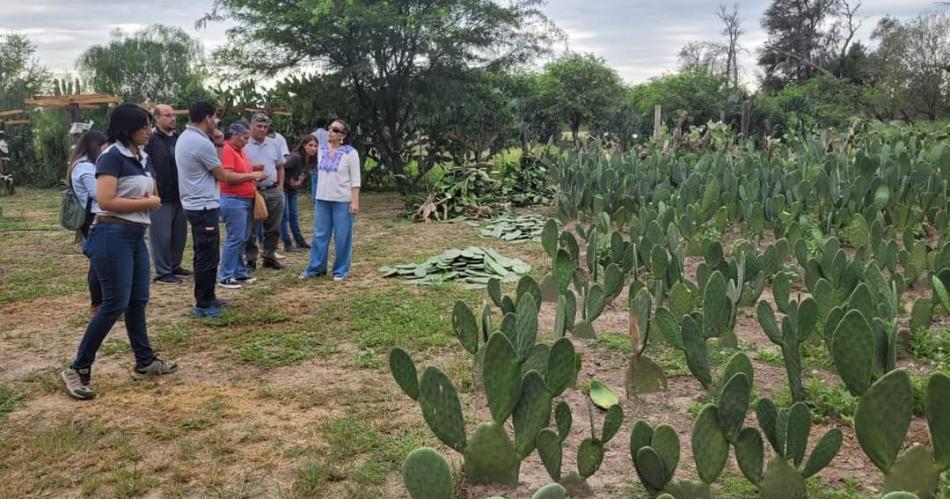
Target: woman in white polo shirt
{"type": "Point", "coordinates": [337, 201]}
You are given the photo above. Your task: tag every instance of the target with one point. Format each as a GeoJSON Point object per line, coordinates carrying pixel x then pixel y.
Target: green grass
{"type": "Point", "coordinates": [931, 347]}
{"type": "Point", "coordinates": [46, 279]}
{"type": "Point", "coordinates": [282, 348]}
{"type": "Point", "coordinates": [10, 399]}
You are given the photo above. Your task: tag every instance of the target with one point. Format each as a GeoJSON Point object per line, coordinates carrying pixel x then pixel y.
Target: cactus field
{"type": "Point", "coordinates": [729, 324]}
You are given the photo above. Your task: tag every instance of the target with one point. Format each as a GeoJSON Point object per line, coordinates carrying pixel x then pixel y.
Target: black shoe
{"type": "Point", "coordinates": [251, 266]}
{"type": "Point", "coordinates": [303, 245]}
{"type": "Point", "coordinates": [168, 279]}
{"type": "Point", "coordinates": [272, 264]}
{"type": "Point", "coordinates": [182, 272]}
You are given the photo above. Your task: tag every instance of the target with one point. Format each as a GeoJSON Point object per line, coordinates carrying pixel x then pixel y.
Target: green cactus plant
{"type": "Point", "coordinates": [797, 326]}
{"type": "Point", "coordinates": [643, 374]}
{"type": "Point", "coordinates": [787, 430]}
{"type": "Point", "coordinates": [427, 475]}
{"type": "Point", "coordinates": [590, 453]}
{"type": "Point", "coordinates": [881, 421]}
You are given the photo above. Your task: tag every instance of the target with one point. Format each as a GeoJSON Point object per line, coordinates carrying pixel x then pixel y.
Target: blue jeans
{"type": "Point", "coordinates": [313, 185]}
{"type": "Point", "coordinates": [238, 217]}
{"type": "Point", "coordinates": [119, 257]}
{"type": "Point", "coordinates": [335, 217]}
{"type": "Point", "coordinates": [290, 224]}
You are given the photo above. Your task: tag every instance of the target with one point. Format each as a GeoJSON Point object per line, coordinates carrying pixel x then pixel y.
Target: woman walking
{"type": "Point", "coordinates": [337, 201]}
{"type": "Point", "coordinates": [237, 207]}
{"type": "Point", "coordinates": [301, 161]}
{"type": "Point", "coordinates": [82, 178]}
{"type": "Point", "coordinates": [125, 192]}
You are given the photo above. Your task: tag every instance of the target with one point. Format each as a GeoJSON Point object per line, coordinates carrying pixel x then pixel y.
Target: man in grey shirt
{"type": "Point", "coordinates": [266, 155]}
{"type": "Point", "coordinates": [199, 170]}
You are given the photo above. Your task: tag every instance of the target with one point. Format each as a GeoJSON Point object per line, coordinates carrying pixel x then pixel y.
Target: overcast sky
{"type": "Point", "coordinates": [640, 39]}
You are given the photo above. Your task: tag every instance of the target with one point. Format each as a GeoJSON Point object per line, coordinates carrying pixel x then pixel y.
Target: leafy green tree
{"type": "Point", "coordinates": [796, 46]}
{"type": "Point", "coordinates": [21, 74]}
{"type": "Point", "coordinates": [384, 50]}
{"type": "Point", "coordinates": [699, 94]}
{"type": "Point", "coordinates": [156, 64]}
{"type": "Point", "coordinates": [581, 89]}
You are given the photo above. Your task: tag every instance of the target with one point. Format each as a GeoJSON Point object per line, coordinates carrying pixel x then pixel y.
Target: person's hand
{"type": "Point", "coordinates": [258, 175]}
{"type": "Point", "coordinates": [153, 202]}
{"type": "Point", "coordinates": [354, 208]}
{"type": "Point", "coordinates": [217, 137]}
{"type": "Point", "coordinates": [258, 168]}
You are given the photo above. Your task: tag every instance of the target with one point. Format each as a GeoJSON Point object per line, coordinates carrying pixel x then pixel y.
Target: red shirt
{"type": "Point", "coordinates": [232, 159]}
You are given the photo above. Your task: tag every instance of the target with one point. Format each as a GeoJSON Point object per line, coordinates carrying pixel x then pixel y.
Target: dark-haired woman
{"type": "Point", "coordinates": [125, 192]}
{"type": "Point", "coordinates": [82, 178]}
{"type": "Point", "coordinates": [301, 161]}
{"type": "Point", "coordinates": [337, 201]}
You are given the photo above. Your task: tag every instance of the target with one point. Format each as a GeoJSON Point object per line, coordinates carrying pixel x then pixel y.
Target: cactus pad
{"type": "Point", "coordinates": [501, 377]}
{"type": "Point", "coordinates": [441, 408]}
{"type": "Point", "coordinates": [666, 443]}
{"type": "Point", "coordinates": [551, 491]}
{"type": "Point", "coordinates": [404, 372]}
{"type": "Point", "coordinates": [561, 371]}
{"type": "Point", "coordinates": [427, 475]}
{"type": "Point", "coordinates": [709, 444]}
{"type": "Point", "coordinates": [852, 350]}
{"type": "Point", "coordinates": [883, 416]}
{"type": "Point", "coordinates": [782, 481]}
{"type": "Point", "coordinates": [490, 458]}
{"type": "Point", "coordinates": [550, 451]}
{"type": "Point", "coordinates": [697, 355]}
{"type": "Point", "coordinates": [825, 450]}
{"type": "Point", "coordinates": [938, 417]}
{"type": "Point", "coordinates": [914, 472]}
{"type": "Point", "coordinates": [750, 454]}
{"type": "Point", "coordinates": [465, 326]}
{"type": "Point", "coordinates": [796, 434]}
{"type": "Point", "coordinates": [589, 456]}
{"type": "Point", "coordinates": [532, 413]}
{"type": "Point", "coordinates": [650, 468]}
{"type": "Point", "coordinates": [612, 421]}
{"type": "Point", "coordinates": [733, 405]}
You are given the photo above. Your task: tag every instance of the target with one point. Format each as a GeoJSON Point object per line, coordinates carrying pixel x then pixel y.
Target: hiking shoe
{"type": "Point", "coordinates": [220, 303]}
{"type": "Point", "coordinates": [77, 383]}
{"type": "Point", "coordinates": [230, 283]}
{"type": "Point", "coordinates": [168, 279]}
{"type": "Point", "coordinates": [211, 312]}
{"type": "Point", "coordinates": [277, 256]}
{"type": "Point", "coordinates": [158, 367]}
{"type": "Point", "coordinates": [303, 245]}
{"type": "Point", "coordinates": [182, 272]}
{"type": "Point", "coordinates": [246, 279]}
{"type": "Point", "coordinates": [273, 264]}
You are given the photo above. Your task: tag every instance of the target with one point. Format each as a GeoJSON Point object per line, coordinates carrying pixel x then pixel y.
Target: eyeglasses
{"type": "Point", "coordinates": [337, 130]}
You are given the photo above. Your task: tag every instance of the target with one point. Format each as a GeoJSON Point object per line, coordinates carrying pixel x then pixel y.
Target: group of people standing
{"type": "Point", "coordinates": [135, 179]}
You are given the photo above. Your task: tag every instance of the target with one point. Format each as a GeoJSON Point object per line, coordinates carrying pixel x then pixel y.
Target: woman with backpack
{"type": "Point", "coordinates": [82, 178]}
{"type": "Point", "coordinates": [125, 193]}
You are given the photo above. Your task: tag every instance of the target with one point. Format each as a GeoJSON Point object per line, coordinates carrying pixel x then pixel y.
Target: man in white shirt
{"type": "Point", "coordinates": [266, 155]}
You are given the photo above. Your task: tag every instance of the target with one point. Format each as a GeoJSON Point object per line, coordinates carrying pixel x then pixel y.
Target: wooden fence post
{"type": "Point", "coordinates": [657, 121]}
{"type": "Point", "coordinates": [744, 127]}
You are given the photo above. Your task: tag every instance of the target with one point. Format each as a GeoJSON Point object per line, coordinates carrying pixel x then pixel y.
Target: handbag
{"type": "Point", "coordinates": [260, 207]}
{"type": "Point", "coordinates": [72, 212]}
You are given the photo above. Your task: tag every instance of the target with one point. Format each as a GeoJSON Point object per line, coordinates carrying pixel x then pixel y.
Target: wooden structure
{"type": "Point", "coordinates": [72, 103]}
{"type": "Point", "coordinates": [6, 120]}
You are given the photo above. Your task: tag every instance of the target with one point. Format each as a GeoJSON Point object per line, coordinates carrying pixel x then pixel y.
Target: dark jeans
{"type": "Point", "coordinates": [290, 223]}
{"type": "Point", "coordinates": [205, 234]}
{"type": "Point", "coordinates": [95, 290]}
{"type": "Point", "coordinates": [120, 260]}
{"type": "Point", "coordinates": [274, 198]}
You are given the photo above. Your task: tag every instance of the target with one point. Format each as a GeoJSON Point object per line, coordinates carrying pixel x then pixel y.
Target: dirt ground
{"type": "Point", "coordinates": [290, 396]}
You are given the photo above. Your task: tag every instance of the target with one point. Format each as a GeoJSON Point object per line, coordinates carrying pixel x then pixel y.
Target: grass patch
{"type": "Point", "coordinates": [830, 401]}
{"type": "Point", "coordinates": [931, 348]}
{"type": "Point", "coordinates": [41, 280]}
{"type": "Point", "coordinates": [10, 399]}
{"type": "Point", "coordinates": [283, 348]}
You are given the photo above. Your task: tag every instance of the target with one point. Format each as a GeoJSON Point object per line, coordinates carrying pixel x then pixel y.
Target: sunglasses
{"type": "Point", "coordinates": [337, 130]}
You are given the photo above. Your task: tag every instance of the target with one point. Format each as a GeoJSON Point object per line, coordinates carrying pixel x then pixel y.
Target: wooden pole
{"type": "Point", "coordinates": [657, 121]}
{"type": "Point", "coordinates": [746, 111]}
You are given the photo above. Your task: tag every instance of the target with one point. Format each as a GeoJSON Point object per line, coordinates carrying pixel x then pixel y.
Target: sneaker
{"type": "Point", "coordinates": [339, 278]}
{"type": "Point", "coordinates": [230, 283]}
{"type": "Point", "coordinates": [220, 303]}
{"type": "Point", "coordinates": [277, 256]}
{"type": "Point", "coordinates": [77, 383]}
{"type": "Point", "coordinates": [168, 279]}
{"type": "Point", "coordinates": [158, 367]}
{"type": "Point", "coordinates": [211, 312]}
{"type": "Point", "coordinates": [182, 272]}
{"type": "Point", "coordinates": [273, 264]}
{"type": "Point", "coordinates": [251, 266]}
{"type": "Point", "coordinates": [303, 276]}
{"type": "Point", "coordinates": [246, 279]}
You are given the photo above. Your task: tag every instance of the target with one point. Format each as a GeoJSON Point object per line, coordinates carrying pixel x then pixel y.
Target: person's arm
{"type": "Point", "coordinates": [355, 182]}
{"type": "Point", "coordinates": [229, 176]}
{"type": "Point", "coordinates": [106, 197]}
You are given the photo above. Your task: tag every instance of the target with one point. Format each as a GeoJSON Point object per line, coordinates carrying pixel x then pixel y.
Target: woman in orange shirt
{"type": "Point", "coordinates": [237, 209]}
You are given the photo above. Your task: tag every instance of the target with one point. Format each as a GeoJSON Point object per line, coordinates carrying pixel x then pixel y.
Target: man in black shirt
{"type": "Point", "coordinates": [169, 228]}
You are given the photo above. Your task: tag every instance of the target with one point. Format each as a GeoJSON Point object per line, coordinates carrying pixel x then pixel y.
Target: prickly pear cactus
{"type": "Point", "coordinates": [427, 476]}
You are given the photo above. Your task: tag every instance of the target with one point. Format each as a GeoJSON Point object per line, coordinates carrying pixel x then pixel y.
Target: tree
{"type": "Point", "coordinates": [732, 31]}
{"type": "Point", "coordinates": [706, 56]}
{"type": "Point", "coordinates": [581, 89]}
{"type": "Point", "coordinates": [914, 62]}
{"type": "Point", "coordinates": [385, 51]}
{"type": "Point", "coordinates": [699, 94]}
{"type": "Point", "coordinates": [156, 64]}
{"type": "Point", "coordinates": [21, 74]}
{"type": "Point", "coordinates": [797, 45]}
